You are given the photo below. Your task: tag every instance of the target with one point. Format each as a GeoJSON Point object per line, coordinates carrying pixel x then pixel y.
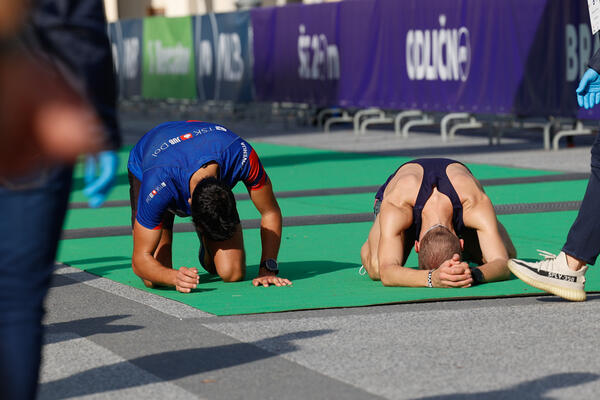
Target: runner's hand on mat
{"type": "Point", "coordinates": [267, 280]}
{"type": "Point", "coordinates": [588, 91]}
{"type": "Point", "coordinates": [452, 273]}
{"type": "Point", "coordinates": [186, 279]}
{"type": "Point", "coordinates": [100, 173]}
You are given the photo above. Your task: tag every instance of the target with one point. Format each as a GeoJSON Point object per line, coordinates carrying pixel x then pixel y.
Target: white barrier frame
{"type": "Point", "coordinates": [325, 112]}
{"type": "Point", "coordinates": [380, 119]}
{"type": "Point", "coordinates": [377, 112]}
{"type": "Point", "coordinates": [449, 134]}
{"type": "Point", "coordinates": [345, 117]}
{"type": "Point", "coordinates": [407, 114]}
{"type": "Point", "coordinates": [578, 130]}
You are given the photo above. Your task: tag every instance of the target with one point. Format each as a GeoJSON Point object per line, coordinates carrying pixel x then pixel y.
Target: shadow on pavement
{"type": "Point", "coordinates": [170, 365]}
{"type": "Point", "coordinates": [88, 326]}
{"type": "Point", "coordinates": [556, 299]}
{"type": "Point", "coordinates": [536, 389]}
{"type": "Point", "coordinates": [89, 274]}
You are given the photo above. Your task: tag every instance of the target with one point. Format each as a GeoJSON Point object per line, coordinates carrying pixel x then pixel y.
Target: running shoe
{"type": "Point", "coordinates": [552, 275]}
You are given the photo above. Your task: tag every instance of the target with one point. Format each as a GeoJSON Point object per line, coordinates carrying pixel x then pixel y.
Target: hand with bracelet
{"type": "Point", "coordinates": [451, 273]}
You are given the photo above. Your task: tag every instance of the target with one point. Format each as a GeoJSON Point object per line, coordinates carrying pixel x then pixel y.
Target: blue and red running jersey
{"type": "Point", "coordinates": [166, 157]}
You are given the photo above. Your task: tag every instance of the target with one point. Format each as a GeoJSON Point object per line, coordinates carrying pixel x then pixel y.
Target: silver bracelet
{"type": "Point", "coordinates": [429, 282]}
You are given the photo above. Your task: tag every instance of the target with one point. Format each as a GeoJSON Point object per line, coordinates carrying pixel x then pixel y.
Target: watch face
{"type": "Point", "coordinates": [271, 265]}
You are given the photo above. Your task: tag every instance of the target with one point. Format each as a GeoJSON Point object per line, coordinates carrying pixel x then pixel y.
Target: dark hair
{"type": "Point", "coordinates": [437, 246]}
{"type": "Point", "coordinates": [214, 213]}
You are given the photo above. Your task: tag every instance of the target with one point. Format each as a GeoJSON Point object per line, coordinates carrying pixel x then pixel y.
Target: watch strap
{"type": "Point", "coordinates": [265, 264]}
{"type": "Point", "coordinates": [477, 276]}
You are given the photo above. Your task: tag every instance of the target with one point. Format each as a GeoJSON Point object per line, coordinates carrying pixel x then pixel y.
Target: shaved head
{"type": "Point", "coordinates": [438, 245]}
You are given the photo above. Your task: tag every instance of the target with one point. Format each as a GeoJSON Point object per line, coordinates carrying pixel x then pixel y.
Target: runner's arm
{"type": "Point", "coordinates": [270, 220]}
{"type": "Point", "coordinates": [152, 272]}
{"type": "Point", "coordinates": [394, 221]}
{"type": "Point", "coordinates": [483, 218]}
{"type": "Point", "coordinates": [145, 242]}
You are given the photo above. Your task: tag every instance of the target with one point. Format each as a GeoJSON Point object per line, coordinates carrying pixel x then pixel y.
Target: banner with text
{"type": "Point", "coordinates": [168, 58]}
{"type": "Point", "coordinates": [497, 56]}
{"type": "Point", "coordinates": [222, 51]}
{"type": "Point", "coordinates": [296, 54]}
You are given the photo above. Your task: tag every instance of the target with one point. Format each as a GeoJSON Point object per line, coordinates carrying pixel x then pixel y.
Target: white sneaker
{"type": "Point", "coordinates": [552, 275]}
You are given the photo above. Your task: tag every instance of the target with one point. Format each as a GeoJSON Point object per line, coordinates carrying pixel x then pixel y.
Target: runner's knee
{"type": "Point", "coordinates": [364, 253]}
{"type": "Point", "coordinates": [232, 272]}
{"type": "Point", "coordinates": [373, 270]}
{"type": "Point", "coordinates": [369, 262]}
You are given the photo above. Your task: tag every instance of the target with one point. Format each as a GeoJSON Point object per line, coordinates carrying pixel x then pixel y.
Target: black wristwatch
{"type": "Point", "coordinates": [270, 265]}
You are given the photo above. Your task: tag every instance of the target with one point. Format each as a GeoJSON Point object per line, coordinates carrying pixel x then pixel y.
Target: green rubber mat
{"type": "Point", "coordinates": [322, 261]}
{"type": "Point", "coordinates": [341, 204]}
{"type": "Point", "coordinates": [537, 192]}
{"type": "Point", "coordinates": [298, 168]}
{"type": "Point", "coordinates": [312, 205]}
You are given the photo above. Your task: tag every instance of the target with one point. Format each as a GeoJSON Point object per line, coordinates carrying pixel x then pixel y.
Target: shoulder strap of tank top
{"type": "Point", "coordinates": [446, 187]}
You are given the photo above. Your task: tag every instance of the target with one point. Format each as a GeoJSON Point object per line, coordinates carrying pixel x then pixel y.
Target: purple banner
{"type": "Point", "coordinates": [494, 56]}
{"type": "Point", "coordinates": [295, 53]}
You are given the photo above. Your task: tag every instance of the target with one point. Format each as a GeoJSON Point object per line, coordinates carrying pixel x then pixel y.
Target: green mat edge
{"type": "Point", "coordinates": [534, 293]}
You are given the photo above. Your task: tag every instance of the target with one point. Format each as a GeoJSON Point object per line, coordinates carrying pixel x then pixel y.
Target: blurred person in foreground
{"type": "Point", "coordinates": [57, 101]}
{"type": "Point", "coordinates": [564, 274]}
{"type": "Point", "coordinates": [189, 168]}
{"type": "Point", "coordinates": [438, 206]}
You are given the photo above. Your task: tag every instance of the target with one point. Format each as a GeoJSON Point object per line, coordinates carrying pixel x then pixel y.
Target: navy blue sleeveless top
{"type": "Point", "coordinates": [434, 176]}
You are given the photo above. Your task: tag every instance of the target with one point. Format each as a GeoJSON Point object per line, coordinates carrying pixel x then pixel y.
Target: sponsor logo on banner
{"type": "Point", "coordinates": [230, 63]}
{"type": "Point", "coordinates": [578, 43]}
{"type": "Point", "coordinates": [438, 54]}
{"type": "Point", "coordinates": [318, 59]}
{"type": "Point", "coordinates": [131, 52]}
{"type": "Point", "coordinates": [168, 60]}
{"type": "Point", "coordinates": [205, 59]}
{"type": "Point", "coordinates": [155, 191]}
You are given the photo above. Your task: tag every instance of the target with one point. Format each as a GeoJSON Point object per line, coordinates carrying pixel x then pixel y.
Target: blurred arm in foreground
{"type": "Point", "coordinates": [46, 73]}
{"type": "Point", "coordinates": [57, 101]}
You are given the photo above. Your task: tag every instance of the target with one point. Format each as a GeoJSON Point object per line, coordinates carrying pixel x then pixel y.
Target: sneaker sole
{"type": "Point", "coordinates": [565, 293]}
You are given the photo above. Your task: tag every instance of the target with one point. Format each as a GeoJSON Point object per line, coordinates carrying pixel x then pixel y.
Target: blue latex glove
{"type": "Point", "coordinates": [588, 91]}
{"type": "Point", "coordinates": [99, 176]}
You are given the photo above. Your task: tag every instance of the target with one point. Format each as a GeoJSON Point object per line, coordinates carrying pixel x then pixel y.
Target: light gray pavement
{"type": "Point", "coordinates": [106, 340]}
